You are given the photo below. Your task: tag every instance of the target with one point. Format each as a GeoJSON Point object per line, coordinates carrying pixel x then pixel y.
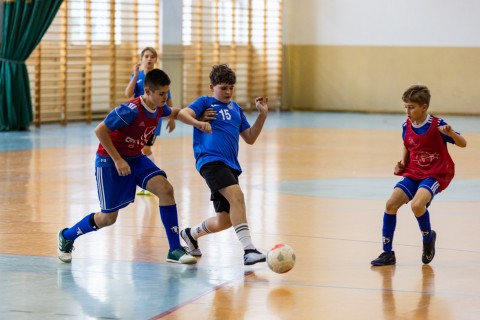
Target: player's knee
{"type": "Point", "coordinates": [392, 206]}
{"type": "Point", "coordinates": [106, 219]}
{"type": "Point", "coordinates": [418, 208]}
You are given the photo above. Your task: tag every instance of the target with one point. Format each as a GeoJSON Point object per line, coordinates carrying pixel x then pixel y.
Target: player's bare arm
{"type": "Point", "coordinates": [459, 139]}
{"type": "Point", "coordinates": [102, 133]}
{"type": "Point", "coordinates": [131, 85]}
{"type": "Point", "coordinates": [251, 134]}
{"type": "Point", "coordinates": [187, 116]}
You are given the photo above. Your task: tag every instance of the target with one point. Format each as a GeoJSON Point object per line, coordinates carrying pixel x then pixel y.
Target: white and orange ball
{"type": "Point", "coordinates": [281, 258]}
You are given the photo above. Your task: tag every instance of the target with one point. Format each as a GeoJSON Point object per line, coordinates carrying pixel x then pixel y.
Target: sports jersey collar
{"type": "Point", "coordinates": [427, 119]}
{"type": "Point", "coordinates": [146, 106]}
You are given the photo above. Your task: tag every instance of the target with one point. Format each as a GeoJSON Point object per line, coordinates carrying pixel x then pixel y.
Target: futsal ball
{"type": "Point", "coordinates": [281, 258]}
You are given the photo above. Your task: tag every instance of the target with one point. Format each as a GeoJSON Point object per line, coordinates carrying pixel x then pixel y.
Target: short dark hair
{"type": "Point", "coordinates": [417, 94]}
{"type": "Point", "coordinates": [156, 78]}
{"type": "Point", "coordinates": [221, 73]}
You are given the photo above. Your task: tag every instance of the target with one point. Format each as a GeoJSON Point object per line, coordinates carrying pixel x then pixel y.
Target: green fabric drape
{"type": "Point", "coordinates": [24, 24]}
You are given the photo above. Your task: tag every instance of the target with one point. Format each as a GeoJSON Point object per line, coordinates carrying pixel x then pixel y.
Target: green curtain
{"type": "Point", "coordinates": [24, 24]}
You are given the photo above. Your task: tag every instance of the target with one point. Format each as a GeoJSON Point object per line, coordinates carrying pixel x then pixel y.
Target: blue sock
{"type": "Point", "coordinates": [389, 224]}
{"type": "Point", "coordinates": [425, 228]}
{"type": "Point", "coordinates": [84, 226]}
{"type": "Point", "coordinates": [169, 217]}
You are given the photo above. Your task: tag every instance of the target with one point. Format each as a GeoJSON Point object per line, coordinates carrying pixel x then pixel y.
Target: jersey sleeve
{"type": "Point", "coordinates": [121, 116]}
{"type": "Point", "coordinates": [445, 138]}
{"type": "Point", "coordinates": [244, 125]}
{"type": "Point", "coordinates": [166, 110]}
{"type": "Point", "coordinates": [199, 106]}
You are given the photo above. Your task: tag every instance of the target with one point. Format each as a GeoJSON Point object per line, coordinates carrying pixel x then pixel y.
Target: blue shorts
{"type": "Point", "coordinates": [116, 192]}
{"type": "Point", "coordinates": [410, 186]}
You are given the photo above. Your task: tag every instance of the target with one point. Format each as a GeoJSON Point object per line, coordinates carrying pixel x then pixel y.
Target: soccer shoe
{"type": "Point", "coordinates": [65, 247]}
{"type": "Point", "coordinates": [180, 255]}
{"type": "Point", "coordinates": [143, 192]}
{"type": "Point", "coordinates": [253, 256]}
{"type": "Point", "coordinates": [384, 259]}
{"type": "Point", "coordinates": [192, 244]}
{"type": "Point", "coordinates": [429, 249]}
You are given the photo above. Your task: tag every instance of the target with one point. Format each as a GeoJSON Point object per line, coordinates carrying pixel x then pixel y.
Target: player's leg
{"type": "Point", "coordinates": [427, 189]}
{"type": "Point", "coordinates": [147, 150]}
{"type": "Point", "coordinates": [114, 193]}
{"type": "Point", "coordinates": [398, 198]}
{"type": "Point", "coordinates": [238, 217]}
{"type": "Point", "coordinates": [220, 222]}
{"type": "Point", "coordinates": [161, 187]}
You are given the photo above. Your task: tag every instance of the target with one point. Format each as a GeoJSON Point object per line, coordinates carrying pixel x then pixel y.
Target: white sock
{"type": "Point", "coordinates": [199, 230]}
{"type": "Point", "coordinates": [243, 234]}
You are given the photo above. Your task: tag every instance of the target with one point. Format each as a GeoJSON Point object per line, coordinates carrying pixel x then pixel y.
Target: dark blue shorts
{"type": "Point", "coordinates": [410, 186]}
{"type": "Point", "coordinates": [116, 192]}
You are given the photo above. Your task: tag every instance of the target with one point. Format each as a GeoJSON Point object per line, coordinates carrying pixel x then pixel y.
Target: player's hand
{"type": "Point", "coordinates": [136, 69]}
{"type": "Point", "coordinates": [205, 127]}
{"type": "Point", "coordinates": [123, 169]}
{"type": "Point", "coordinates": [399, 168]}
{"type": "Point", "coordinates": [446, 129]}
{"type": "Point", "coordinates": [208, 115]}
{"type": "Point", "coordinates": [171, 125]}
{"type": "Point", "coordinates": [262, 104]}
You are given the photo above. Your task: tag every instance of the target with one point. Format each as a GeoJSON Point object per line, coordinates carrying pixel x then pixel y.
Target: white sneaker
{"type": "Point", "coordinates": [253, 256]}
{"type": "Point", "coordinates": [192, 244]}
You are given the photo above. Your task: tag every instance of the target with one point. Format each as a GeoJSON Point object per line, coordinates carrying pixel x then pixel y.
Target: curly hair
{"type": "Point", "coordinates": [222, 73]}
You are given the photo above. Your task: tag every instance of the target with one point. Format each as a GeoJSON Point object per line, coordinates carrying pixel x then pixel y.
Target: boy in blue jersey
{"type": "Point", "coordinates": [148, 58]}
{"type": "Point", "coordinates": [426, 167]}
{"type": "Point", "coordinates": [121, 167]}
{"type": "Point", "coordinates": [215, 145]}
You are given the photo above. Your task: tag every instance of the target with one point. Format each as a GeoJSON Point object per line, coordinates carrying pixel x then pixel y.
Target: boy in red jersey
{"type": "Point", "coordinates": [426, 167]}
{"type": "Point", "coordinates": [121, 166]}
{"type": "Point", "coordinates": [134, 89]}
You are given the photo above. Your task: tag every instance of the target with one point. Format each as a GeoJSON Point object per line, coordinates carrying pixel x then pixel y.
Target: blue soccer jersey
{"type": "Point", "coordinates": [222, 143]}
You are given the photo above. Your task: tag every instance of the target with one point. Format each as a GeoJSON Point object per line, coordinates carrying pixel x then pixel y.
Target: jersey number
{"type": "Point", "coordinates": [225, 114]}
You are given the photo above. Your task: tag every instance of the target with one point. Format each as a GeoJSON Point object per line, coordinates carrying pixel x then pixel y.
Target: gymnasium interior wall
{"type": "Point", "coordinates": [349, 55]}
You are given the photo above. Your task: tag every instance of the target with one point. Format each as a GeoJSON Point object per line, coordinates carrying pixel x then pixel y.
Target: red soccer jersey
{"type": "Point", "coordinates": [429, 157]}
{"type": "Point", "coordinates": [129, 140]}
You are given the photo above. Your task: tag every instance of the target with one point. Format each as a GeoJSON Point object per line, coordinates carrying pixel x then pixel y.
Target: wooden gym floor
{"type": "Point", "coordinates": [315, 181]}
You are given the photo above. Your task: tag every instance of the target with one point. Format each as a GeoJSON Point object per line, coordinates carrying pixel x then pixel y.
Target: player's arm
{"type": "Point", "coordinates": [458, 138]}
{"type": "Point", "coordinates": [402, 164]}
{"type": "Point", "coordinates": [131, 85]}
{"type": "Point", "coordinates": [188, 116]}
{"type": "Point", "coordinates": [171, 122]}
{"type": "Point", "coordinates": [251, 134]}
{"type": "Point", "coordinates": [103, 134]}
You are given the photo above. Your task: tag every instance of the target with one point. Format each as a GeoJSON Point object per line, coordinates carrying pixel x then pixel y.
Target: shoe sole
{"type": "Point", "coordinates": [194, 261]}
{"type": "Point", "coordinates": [383, 264]}
{"type": "Point", "coordinates": [254, 262]}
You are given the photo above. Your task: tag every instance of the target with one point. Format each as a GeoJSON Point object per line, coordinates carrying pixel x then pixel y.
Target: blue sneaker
{"type": "Point", "coordinates": [180, 255]}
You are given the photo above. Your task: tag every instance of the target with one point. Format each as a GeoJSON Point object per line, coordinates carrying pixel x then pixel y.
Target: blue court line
{"type": "Point", "coordinates": [102, 289]}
